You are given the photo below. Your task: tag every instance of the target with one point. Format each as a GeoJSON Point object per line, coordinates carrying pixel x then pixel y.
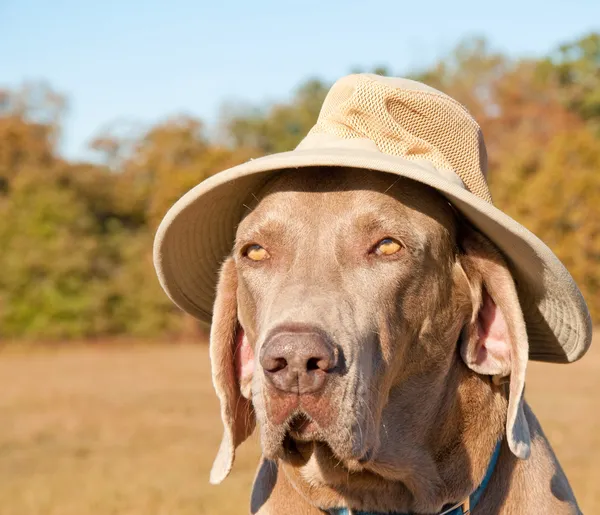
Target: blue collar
{"type": "Point", "coordinates": [461, 508]}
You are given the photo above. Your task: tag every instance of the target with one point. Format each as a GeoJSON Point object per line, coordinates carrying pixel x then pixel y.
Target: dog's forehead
{"type": "Point", "coordinates": [302, 194]}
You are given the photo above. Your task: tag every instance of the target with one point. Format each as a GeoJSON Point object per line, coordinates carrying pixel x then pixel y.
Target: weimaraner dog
{"type": "Point", "coordinates": [378, 326]}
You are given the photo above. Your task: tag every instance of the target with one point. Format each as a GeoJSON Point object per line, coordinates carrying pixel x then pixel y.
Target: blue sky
{"type": "Point", "coordinates": [144, 60]}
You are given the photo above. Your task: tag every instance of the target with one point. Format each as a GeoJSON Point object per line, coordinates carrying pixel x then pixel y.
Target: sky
{"type": "Point", "coordinates": [132, 61]}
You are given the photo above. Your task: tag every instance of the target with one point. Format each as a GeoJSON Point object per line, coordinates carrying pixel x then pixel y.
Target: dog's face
{"type": "Point", "coordinates": [352, 292]}
{"type": "Point", "coordinates": [332, 271]}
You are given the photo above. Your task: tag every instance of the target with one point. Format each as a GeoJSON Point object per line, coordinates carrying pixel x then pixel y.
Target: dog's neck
{"type": "Point", "coordinates": [448, 465]}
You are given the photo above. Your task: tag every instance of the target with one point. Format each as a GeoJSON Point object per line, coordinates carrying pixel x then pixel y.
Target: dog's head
{"type": "Point", "coordinates": [347, 301]}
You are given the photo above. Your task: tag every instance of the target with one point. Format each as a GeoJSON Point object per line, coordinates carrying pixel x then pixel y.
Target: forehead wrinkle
{"type": "Point", "coordinates": [269, 226]}
{"type": "Point", "coordinates": [392, 216]}
{"type": "Point", "coordinates": [371, 221]}
{"type": "Point", "coordinates": [272, 218]}
{"type": "Point", "coordinates": [426, 208]}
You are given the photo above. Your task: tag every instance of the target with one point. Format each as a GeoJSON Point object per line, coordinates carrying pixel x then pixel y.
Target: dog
{"type": "Point", "coordinates": [374, 314]}
{"type": "Point", "coordinates": [373, 331]}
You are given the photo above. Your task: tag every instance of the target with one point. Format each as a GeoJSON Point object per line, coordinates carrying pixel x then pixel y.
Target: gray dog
{"type": "Point", "coordinates": [374, 313]}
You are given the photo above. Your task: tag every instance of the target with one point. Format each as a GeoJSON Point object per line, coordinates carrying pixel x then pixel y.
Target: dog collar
{"type": "Point", "coordinates": [461, 508]}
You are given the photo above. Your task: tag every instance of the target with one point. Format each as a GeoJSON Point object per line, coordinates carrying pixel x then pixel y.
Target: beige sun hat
{"type": "Point", "coordinates": [391, 125]}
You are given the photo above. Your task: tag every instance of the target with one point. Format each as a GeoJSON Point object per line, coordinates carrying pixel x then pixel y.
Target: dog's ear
{"type": "Point", "coordinates": [232, 362]}
{"type": "Point", "coordinates": [494, 340]}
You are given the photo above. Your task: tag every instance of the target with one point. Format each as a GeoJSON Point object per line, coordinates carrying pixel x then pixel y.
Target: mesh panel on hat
{"type": "Point", "coordinates": [408, 122]}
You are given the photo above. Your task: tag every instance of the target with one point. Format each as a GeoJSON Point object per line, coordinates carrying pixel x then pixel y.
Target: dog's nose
{"type": "Point", "coordinates": [297, 362]}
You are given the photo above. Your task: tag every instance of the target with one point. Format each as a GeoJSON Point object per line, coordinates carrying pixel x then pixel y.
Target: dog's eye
{"type": "Point", "coordinates": [387, 247]}
{"type": "Point", "coordinates": [256, 253]}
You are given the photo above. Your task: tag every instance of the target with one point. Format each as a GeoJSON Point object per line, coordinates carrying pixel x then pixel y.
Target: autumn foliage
{"type": "Point", "coordinates": [76, 237]}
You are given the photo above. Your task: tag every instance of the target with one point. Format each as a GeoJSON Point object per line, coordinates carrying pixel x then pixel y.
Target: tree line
{"type": "Point", "coordinates": [76, 237]}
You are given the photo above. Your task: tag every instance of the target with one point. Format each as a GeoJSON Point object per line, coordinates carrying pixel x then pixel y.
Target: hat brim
{"type": "Point", "coordinates": [198, 232]}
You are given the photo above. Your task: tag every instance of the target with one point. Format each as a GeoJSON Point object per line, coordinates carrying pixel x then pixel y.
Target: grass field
{"type": "Point", "coordinates": [133, 431]}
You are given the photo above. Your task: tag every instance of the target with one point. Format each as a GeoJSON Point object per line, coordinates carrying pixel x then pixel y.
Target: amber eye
{"type": "Point", "coordinates": [387, 247]}
{"type": "Point", "coordinates": [256, 253]}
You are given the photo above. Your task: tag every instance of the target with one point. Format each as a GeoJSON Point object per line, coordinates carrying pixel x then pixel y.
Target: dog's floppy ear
{"type": "Point", "coordinates": [231, 361]}
{"type": "Point", "coordinates": [495, 339]}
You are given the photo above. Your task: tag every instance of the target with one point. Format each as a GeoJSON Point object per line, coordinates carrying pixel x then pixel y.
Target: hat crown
{"type": "Point", "coordinates": [406, 118]}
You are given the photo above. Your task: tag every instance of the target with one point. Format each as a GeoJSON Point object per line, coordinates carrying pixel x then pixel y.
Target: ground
{"type": "Point", "coordinates": [132, 430]}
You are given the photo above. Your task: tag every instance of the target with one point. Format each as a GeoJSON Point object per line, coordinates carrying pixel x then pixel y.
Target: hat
{"type": "Point", "coordinates": [392, 125]}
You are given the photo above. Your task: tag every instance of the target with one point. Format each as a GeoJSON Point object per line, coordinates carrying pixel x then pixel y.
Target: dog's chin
{"type": "Point", "coordinates": [301, 438]}
{"type": "Point", "coordinates": [291, 440]}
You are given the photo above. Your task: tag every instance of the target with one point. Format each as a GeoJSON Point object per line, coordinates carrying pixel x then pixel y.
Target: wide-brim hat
{"type": "Point", "coordinates": [396, 126]}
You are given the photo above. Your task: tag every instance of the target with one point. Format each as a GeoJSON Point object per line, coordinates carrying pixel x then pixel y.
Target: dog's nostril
{"type": "Point", "coordinates": [320, 363]}
{"type": "Point", "coordinates": [313, 364]}
{"type": "Point", "coordinates": [275, 365]}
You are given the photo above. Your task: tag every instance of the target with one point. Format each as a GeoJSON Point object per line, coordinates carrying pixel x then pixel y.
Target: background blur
{"type": "Point", "coordinates": [110, 111]}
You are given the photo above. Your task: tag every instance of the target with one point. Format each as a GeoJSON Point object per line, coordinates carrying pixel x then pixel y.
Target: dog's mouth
{"type": "Point", "coordinates": [298, 450]}
{"type": "Point", "coordinates": [293, 438]}
{"type": "Point", "coordinates": [304, 438]}
{"type": "Point", "coordinates": [302, 428]}
{"type": "Point", "coordinates": [301, 434]}
{"type": "Point", "coordinates": [315, 427]}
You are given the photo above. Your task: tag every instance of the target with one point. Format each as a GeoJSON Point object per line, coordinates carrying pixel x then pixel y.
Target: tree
{"type": "Point", "coordinates": [51, 276]}
{"type": "Point", "coordinates": [77, 237]}
{"type": "Point", "coordinates": [575, 69]}
{"type": "Point", "coordinates": [29, 128]}
{"type": "Point", "coordinates": [559, 201]}
{"type": "Point", "coordinates": [282, 126]}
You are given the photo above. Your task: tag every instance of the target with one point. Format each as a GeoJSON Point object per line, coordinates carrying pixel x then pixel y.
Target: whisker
{"type": "Point", "coordinates": [392, 185]}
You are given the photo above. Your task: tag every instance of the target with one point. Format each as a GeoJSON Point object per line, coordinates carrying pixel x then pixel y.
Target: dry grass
{"type": "Point", "coordinates": [133, 430]}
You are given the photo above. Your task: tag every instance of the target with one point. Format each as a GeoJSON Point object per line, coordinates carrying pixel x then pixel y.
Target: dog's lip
{"type": "Point", "coordinates": [296, 450]}
{"type": "Point", "coordinates": [302, 428]}
{"type": "Point", "coordinates": [303, 436]}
